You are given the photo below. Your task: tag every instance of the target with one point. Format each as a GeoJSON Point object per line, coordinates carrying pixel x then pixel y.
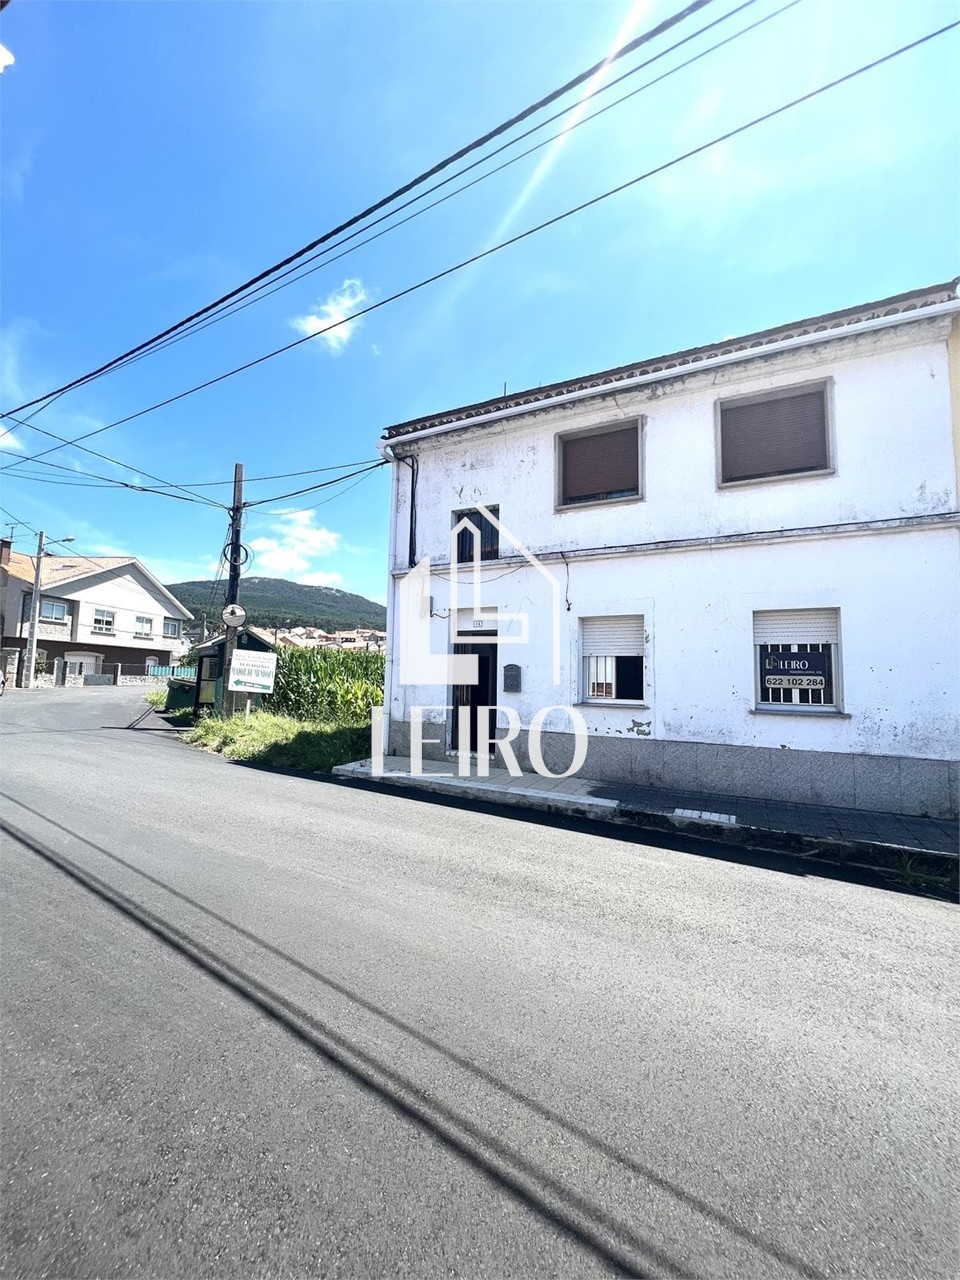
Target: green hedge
{"type": "Point", "coordinates": [334, 685]}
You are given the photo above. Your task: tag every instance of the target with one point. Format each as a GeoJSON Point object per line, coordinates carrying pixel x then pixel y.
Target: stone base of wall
{"type": "Point", "coordinates": [891, 784]}
{"type": "Point", "coordinates": [149, 682]}
{"type": "Point", "coordinates": [56, 680]}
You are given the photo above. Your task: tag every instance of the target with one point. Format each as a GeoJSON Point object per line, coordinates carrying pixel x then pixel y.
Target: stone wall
{"type": "Point", "coordinates": [887, 783]}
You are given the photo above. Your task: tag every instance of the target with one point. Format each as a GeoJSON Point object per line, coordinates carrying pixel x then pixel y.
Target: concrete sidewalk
{"type": "Point", "coordinates": [918, 849]}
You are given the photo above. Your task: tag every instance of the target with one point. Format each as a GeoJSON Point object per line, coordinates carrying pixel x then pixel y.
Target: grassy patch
{"type": "Point", "coordinates": [157, 698]}
{"type": "Point", "coordinates": [281, 741]}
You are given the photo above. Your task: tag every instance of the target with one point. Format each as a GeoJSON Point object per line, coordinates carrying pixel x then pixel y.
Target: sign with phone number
{"type": "Point", "coordinates": [795, 671]}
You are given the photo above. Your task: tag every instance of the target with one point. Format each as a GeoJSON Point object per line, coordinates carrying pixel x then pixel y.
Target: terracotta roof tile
{"type": "Point", "coordinates": [60, 569]}
{"type": "Point", "coordinates": [900, 304]}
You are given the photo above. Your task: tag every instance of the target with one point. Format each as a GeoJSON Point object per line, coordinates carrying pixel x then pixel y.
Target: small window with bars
{"type": "Point", "coordinates": [483, 531]}
{"type": "Point", "coordinates": [797, 658]}
{"type": "Point", "coordinates": [779, 435]}
{"type": "Point", "coordinates": [601, 466]}
{"type": "Point", "coordinates": [613, 659]}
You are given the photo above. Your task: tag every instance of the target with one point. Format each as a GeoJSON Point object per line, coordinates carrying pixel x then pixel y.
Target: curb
{"type": "Point", "coordinates": [908, 866]}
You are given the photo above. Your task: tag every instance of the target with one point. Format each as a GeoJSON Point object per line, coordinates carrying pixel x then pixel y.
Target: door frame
{"type": "Point", "coordinates": [479, 642]}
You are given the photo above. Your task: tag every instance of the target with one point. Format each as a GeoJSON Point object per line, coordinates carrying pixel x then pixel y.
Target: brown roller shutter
{"type": "Point", "coordinates": [774, 437]}
{"type": "Point", "coordinates": [606, 465]}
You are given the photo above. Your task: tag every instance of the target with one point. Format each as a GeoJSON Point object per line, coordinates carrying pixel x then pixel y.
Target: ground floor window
{"type": "Point", "coordinates": [797, 658]}
{"type": "Point", "coordinates": [613, 658]}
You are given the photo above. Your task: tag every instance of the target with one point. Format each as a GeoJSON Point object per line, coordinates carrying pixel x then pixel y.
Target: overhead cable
{"type": "Point", "coordinates": [523, 235]}
{"type": "Point", "coordinates": [425, 176]}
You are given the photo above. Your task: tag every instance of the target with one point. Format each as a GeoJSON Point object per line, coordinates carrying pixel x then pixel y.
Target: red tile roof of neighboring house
{"type": "Point", "coordinates": [60, 569]}
{"type": "Point", "coordinates": [679, 362]}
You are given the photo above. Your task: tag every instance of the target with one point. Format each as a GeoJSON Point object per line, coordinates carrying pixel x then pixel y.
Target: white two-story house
{"type": "Point", "coordinates": [739, 563]}
{"type": "Point", "coordinates": [95, 612]}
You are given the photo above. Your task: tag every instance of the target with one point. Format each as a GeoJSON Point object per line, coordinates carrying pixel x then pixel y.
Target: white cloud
{"type": "Point", "coordinates": [333, 310]}
{"type": "Point", "coordinates": [295, 542]}
{"type": "Point", "coordinates": [9, 441]}
{"type": "Point", "coordinates": [321, 579]}
{"type": "Point", "coordinates": [109, 549]}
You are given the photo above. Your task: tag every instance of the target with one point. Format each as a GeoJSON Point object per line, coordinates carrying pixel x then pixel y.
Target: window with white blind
{"type": "Point", "coordinates": [104, 621]}
{"type": "Point", "coordinates": [144, 628]}
{"type": "Point", "coordinates": [599, 466]}
{"type": "Point", "coordinates": [781, 434]}
{"type": "Point", "coordinates": [797, 658]}
{"type": "Point", "coordinates": [613, 657]}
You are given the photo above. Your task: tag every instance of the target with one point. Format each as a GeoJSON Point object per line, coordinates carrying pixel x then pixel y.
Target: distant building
{"type": "Point", "coordinates": [95, 612]}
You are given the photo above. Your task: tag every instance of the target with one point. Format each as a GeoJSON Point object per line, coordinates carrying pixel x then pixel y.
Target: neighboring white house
{"type": "Point", "coordinates": [755, 550]}
{"type": "Point", "coordinates": [95, 612]}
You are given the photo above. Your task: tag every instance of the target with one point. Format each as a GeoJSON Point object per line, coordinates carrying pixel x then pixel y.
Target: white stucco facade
{"type": "Point", "coordinates": [874, 537]}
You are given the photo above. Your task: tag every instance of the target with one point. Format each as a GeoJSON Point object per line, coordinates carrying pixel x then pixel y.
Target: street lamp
{"type": "Point", "coordinates": [35, 609]}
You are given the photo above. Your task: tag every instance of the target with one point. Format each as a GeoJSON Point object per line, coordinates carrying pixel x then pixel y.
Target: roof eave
{"type": "Point", "coordinates": [900, 309]}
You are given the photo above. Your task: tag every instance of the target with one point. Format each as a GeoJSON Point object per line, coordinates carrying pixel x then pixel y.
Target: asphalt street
{"type": "Point", "coordinates": [266, 1025]}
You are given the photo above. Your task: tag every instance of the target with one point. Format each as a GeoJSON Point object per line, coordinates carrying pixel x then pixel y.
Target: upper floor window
{"type": "Point", "coordinates": [797, 658]}
{"type": "Point", "coordinates": [613, 656]}
{"type": "Point", "coordinates": [599, 465]}
{"type": "Point", "coordinates": [144, 628]}
{"type": "Point", "coordinates": [171, 628]}
{"type": "Point", "coordinates": [104, 620]}
{"type": "Point", "coordinates": [782, 433]}
{"type": "Point", "coordinates": [53, 610]}
{"type": "Point", "coordinates": [487, 534]}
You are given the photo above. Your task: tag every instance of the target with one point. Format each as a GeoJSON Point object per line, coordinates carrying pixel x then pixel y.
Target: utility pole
{"type": "Point", "coordinates": [233, 582]}
{"type": "Point", "coordinates": [31, 659]}
{"type": "Point", "coordinates": [31, 654]}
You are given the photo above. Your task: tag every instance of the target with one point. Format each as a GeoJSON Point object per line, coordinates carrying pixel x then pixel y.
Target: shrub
{"type": "Point", "coordinates": [338, 686]}
{"type": "Point", "coordinates": [281, 741]}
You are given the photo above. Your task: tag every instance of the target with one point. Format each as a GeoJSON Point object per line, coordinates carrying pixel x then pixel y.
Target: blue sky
{"type": "Point", "coordinates": [155, 155]}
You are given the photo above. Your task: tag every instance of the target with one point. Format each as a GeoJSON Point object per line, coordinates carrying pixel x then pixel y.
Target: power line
{"type": "Point", "coordinates": [333, 496]}
{"type": "Point", "coordinates": [292, 274]}
{"type": "Point", "coordinates": [314, 487]}
{"type": "Point", "coordinates": [70, 555]}
{"type": "Point", "coordinates": [477, 143]}
{"type": "Point", "coordinates": [198, 497]}
{"type": "Point", "coordinates": [284, 475]}
{"type": "Point", "coordinates": [523, 235]}
{"type": "Point", "coordinates": [200, 484]}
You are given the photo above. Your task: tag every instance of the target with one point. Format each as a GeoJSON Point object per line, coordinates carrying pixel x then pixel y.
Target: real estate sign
{"type": "Point", "coordinates": [252, 672]}
{"type": "Point", "coordinates": [795, 670]}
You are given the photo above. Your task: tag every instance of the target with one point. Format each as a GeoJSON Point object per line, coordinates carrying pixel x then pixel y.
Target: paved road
{"type": "Point", "coordinates": [259, 1025]}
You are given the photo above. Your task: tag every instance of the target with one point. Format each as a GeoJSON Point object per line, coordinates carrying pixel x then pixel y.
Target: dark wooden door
{"type": "Point", "coordinates": [475, 696]}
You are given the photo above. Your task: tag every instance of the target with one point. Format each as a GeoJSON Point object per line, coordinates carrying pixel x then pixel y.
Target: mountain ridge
{"type": "Point", "coordinates": [278, 602]}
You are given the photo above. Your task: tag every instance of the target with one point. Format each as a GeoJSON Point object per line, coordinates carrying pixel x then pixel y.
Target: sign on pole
{"type": "Point", "coordinates": [252, 672]}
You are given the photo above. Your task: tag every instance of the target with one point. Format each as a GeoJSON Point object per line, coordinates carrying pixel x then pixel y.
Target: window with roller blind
{"type": "Point", "coordinates": [599, 465]}
{"type": "Point", "coordinates": [782, 434]}
{"type": "Point", "coordinates": [613, 656]}
{"type": "Point", "coordinates": [797, 659]}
